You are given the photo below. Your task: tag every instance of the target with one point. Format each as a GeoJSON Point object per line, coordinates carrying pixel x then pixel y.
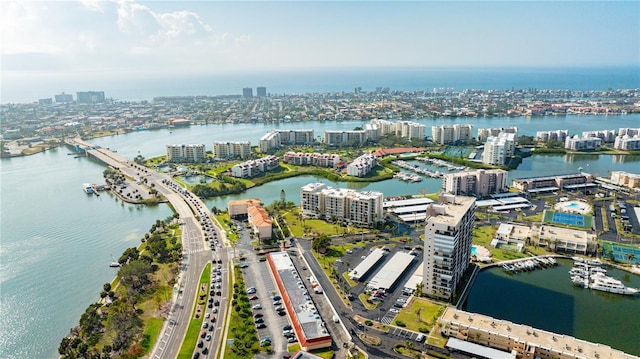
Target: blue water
{"type": "Point", "coordinates": [17, 88]}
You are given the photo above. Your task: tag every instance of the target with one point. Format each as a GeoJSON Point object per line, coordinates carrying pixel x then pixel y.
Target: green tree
{"type": "Point", "coordinates": [321, 243]}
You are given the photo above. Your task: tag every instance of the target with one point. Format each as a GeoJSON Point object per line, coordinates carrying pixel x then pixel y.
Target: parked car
{"type": "Point", "coordinates": [286, 327]}
{"type": "Point", "coordinates": [253, 297]}
{"type": "Point", "coordinates": [276, 297]}
{"type": "Point", "coordinates": [260, 325]}
{"type": "Point", "coordinates": [256, 307]}
{"type": "Point", "coordinates": [258, 320]}
{"type": "Point", "coordinates": [258, 315]}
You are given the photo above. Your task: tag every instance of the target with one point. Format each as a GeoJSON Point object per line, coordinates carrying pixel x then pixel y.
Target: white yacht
{"type": "Point", "coordinates": [611, 285]}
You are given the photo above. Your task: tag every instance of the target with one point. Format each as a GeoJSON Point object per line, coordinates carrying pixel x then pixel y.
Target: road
{"type": "Point", "coordinates": [197, 227]}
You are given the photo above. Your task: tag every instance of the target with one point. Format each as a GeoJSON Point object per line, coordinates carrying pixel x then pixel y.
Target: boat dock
{"type": "Point", "coordinates": [528, 264]}
{"type": "Point", "coordinates": [417, 169]}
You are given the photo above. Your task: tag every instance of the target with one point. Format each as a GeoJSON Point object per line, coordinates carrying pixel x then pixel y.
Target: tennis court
{"type": "Point", "coordinates": [569, 219]}
{"type": "Point", "coordinates": [621, 253]}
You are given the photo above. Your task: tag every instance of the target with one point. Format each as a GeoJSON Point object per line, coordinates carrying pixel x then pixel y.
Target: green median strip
{"type": "Point", "coordinates": [195, 324]}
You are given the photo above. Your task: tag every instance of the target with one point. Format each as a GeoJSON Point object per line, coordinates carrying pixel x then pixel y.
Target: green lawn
{"type": "Point", "coordinates": [311, 227]}
{"type": "Point", "coordinates": [191, 338]}
{"type": "Point", "coordinates": [422, 313]}
{"type": "Point", "coordinates": [483, 235]}
{"type": "Point", "coordinates": [152, 329]}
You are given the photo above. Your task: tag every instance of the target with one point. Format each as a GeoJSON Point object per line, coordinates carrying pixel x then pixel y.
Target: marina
{"type": "Point", "coordinates": [417, 169]}
{"type": "Point", "coordinates": [589, 274]}
{"type": "Point", "coordinates": [528, 264]}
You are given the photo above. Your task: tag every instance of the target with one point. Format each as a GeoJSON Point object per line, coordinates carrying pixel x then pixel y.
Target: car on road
{"type": "Point", "coordinates": [196, 355]}
{"type": "Point", "coordinates": [210, 305]}
{"type": "Point", "coordinates": [208, 337]}
{"type": "Point", "coordinates": [205, 351]}
{"type": "Point", "coordinates": [203, 334]}
{"type": "Point", "coordinates": [352, 331]}
{"type": "Point", "coordinates": [216, 302]}
{"type": "Point", "coordinates": [213, 319]}
{"type": "Point", "coordinates": [210, 328]}
{"type": "Point", "coordinates": [208, 315]}
{"type": "Point", "coordinates": [261, 326]}
{"type": "Point", "coordinates": [200, 343]}
{"type": "Point", "coordinates": [205, 325]}
{"type": "Point", "coordinates": [256, 307]}
{"type": "Point", "coordinates": [215, 310]}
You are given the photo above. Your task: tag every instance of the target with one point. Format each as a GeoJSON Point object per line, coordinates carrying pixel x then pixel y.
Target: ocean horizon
{"type": "Point", "coordinates": [17, 87]}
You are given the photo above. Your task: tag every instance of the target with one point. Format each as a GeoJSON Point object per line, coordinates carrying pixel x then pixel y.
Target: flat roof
{"type": "Point", "coordinates": [503, 195]}
{"type": "Point", "coordinates": [477, 349]}
{"type": "Point", "coordinates": [413, 217]}
{"type": "Point", "coordinates": [452, 211]}
{"type": "Point", "coordinates": [416, 278]}
{"type": "Point", "coordinates": [511, 200]}
{"type": "Point", "coordinates": [389, 274]}
{"type": "Point", "coordinates": [410, 209]}
{"type": "Point", "coordinates": [303, 307]}
{"type": "Point", "coordinates": [511, 206]}
{"type": "Point", "coordinates": [365, 266]}
{"type": "Point", "coordinates": [487, 203]}
{"type": "Point", "coordinates": [543, 189]}
{"type": "Point", "coordinates": [580, 185]}
{"type": "Point", "coordinates": [406, 202]}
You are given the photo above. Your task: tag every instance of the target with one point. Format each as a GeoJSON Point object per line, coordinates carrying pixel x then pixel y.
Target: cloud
{"type": "Point", "coordinates": [89, 34]}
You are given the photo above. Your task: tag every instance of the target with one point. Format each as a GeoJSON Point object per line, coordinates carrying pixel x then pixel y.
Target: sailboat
{"type": "Point", "coordinates": [115, 263]}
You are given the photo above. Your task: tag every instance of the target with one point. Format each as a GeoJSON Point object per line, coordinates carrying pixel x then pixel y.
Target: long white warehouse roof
{"type": "Point", "coordinates": [389, 274]}
{"type": "Point", "coordinates": [406, 202]}
{"type": "Point", "coordinates": [365, 266]}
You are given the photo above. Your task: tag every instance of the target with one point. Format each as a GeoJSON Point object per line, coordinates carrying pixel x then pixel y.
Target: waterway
{"type": "Point", "coordinates": [546, 299]}
{"type": "Point", "coordinates": [56, 246]}
{"type": "Point", "coordinates": [56, 241]}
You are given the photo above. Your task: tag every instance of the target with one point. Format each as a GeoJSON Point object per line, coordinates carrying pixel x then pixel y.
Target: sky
{"type": "Point", "coordinates": [108, 38]}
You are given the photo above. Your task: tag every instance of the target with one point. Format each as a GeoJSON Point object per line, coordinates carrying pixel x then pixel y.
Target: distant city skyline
{"type": "Point", "coordinates": [78, 41]}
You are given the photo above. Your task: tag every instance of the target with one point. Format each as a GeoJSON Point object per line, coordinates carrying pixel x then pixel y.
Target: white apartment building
{"type": "Point", "coordinates": [484, 133]}
{"type": "Point", "coordinates": [363, 209]}
{"type": "Point", "coordinates": [362, 165]}
{"type": "Point", "coordinates": [255, 167]}
{"type": "Point", "coordinates": [626, 142]}
{"type": "Point", "coordinates": [447, 244]}
{"type": "Point", "coordinates": [408, 129]}
{"type": "Point", "coordinates": [269, 141]}
{"type": "Point", "coordinates": [227, 150]}
{"type": "Point", "coordinates": [497, 149]}
{"type": "Point", "coordinates": [628, 131]}
{"type": "Point", "coordinates": [626, 179]}
{"type": "Point", "coordinates": [479, 183]}
{"type": "Point", "coordinates": [547, 136]}
{"type": "Point", "coordinates": [341, 138]}
{"type": "Point", "coordinates": [186, 153]}
{"type": "Point", "coordinates": [576, 143]}
{"type": "Point", "coordinates": [604, 135]}
{"type": "Point", "coordinates": [446, 134]}
{"type": "Point", "coordinates": [311, 159]}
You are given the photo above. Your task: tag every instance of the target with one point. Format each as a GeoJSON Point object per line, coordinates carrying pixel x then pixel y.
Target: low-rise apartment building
{"type": "Point", "coordinates": [362, 165]}
{"type": "Point", "coordinates": [548, 136]}
{"type": "Point", "coordinates": [627, 143]}
{"type": "Point", "coordinates": [229, 150]}
{"type": "Point", "coordinates": [312, 159]}
{"type": "Point", "coordinates": [363, 209]}
{"type": "Point", "coordinates": [255, 167]}
{"type": "Point", "coordinates": [478, 183]}
{"type": "Point", "coordinates": [576, 143]}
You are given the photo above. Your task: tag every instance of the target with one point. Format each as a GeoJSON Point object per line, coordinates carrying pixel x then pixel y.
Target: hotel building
{"type": "Point", "coordinates": [447, 244]}
{"type": "Point", "coordinates": [479, 183]}
{"type": "Point", "coordinates": [186, 153]}
{"type": "Point", "coordinates": [312, 159]}
{"type": "Point", "coordinates": [256, 215]}
{"type": "Point", "coordinates": [275, 139]}
{"type": "Point", "coordinates": [343, 138]}
{"type": "Point", "coordinates": [90, 97]}
{"type": "Point", "coordinates": [604, 135]}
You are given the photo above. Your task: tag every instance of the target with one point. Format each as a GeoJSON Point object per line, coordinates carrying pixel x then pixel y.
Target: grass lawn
{"type": "Point", "coordinates": [363, 298]}
{"type": "Point", "coordinates": [316, 226]}
{"type": "Point", "coordinates": [483, 235]}
{"type": "Point", "coordinates": [326, 353]}
{"type": "Point", "coordinates": [422, 313]}
{"type": "Point", "coordinates": [349, 280]}
{"type": "Point", "coordinates": [151, 332]}
{"type": "Point", "coordinates": [292, 348]}
{"type": "Point", "coordinates": [536, 218]}
{"type": "Point", "coordinates": [191, 337]}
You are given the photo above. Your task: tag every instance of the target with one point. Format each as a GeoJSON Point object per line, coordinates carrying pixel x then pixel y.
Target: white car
{"type": "Point", "coordinates": [394, 310]}
{"type": "Point", "coordinates": [257, 306]}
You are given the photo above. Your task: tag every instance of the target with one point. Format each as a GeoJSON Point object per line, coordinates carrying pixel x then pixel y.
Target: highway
{"type": "Point", "coordinates": [197, 225]}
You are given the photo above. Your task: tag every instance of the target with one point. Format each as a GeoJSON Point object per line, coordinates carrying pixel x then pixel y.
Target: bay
{"type": "Point", "coordinates": [56, 246]}
{"type": "Point", "coordinates": [547, 299]}
{"type": "Point", "coordinates": [57, 242]}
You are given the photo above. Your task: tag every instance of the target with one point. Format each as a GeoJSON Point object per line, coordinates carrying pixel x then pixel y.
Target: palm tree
{"type": "Point", "coordinates": [419, 288]}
